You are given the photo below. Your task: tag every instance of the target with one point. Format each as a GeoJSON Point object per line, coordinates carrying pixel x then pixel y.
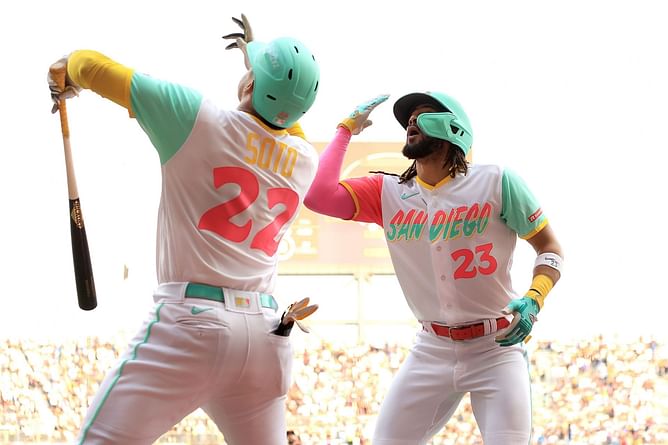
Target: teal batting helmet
{"type": "Point", "coordinates": [450, 123]}
{"type": "Point", "coordinates": [286, 80]}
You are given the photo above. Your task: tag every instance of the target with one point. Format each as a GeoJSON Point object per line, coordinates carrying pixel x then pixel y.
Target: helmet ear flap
{"type": "Point", "coordinates": [445, 126]}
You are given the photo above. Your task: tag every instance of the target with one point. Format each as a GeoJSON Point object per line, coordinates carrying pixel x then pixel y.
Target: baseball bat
{"type": "Point", "coordinates": [83, 269]}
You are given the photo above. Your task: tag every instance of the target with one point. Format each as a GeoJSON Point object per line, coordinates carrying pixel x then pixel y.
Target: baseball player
{"type": "Point", "coordinates": [451, 229]}
{"type": "Point", "coordinates": [232, 182]}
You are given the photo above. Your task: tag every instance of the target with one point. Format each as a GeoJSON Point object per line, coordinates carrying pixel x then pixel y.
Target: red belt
{"type": "Point", "coordinates": [467, 331]}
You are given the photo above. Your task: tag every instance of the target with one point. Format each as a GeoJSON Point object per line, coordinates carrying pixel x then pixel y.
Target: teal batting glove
{"type": "Point", "coordinates": [358, 120]}
{"type": "Point", "coordinates": [524, 312]}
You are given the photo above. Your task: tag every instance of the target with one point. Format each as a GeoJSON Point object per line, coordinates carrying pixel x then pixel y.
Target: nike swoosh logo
{"type": "Point", "coordinates": [406, 196]}
{"type": "Point", "coordinates": [198, 310]}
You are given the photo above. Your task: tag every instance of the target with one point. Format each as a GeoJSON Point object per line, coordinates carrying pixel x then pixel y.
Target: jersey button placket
{"type": "Point", "coordinates": [437, 258]}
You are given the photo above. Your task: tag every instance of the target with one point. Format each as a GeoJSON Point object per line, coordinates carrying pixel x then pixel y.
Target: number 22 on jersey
{"type": "Point", "coordinates": [218, 219]}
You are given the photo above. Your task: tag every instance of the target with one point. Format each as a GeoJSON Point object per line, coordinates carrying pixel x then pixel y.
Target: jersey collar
{"type": "Point", "coordinates": [266, 127]}
{"type": "Point", "coordinates": [435, 186]}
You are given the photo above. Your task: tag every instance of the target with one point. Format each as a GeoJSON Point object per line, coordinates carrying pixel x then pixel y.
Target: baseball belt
{"type": "Point", "coordinates": [468, 331]}
{"type": "Point", "coordinates": [213, 293]}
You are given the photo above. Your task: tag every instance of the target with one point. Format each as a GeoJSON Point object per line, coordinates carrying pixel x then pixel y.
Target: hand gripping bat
{"type": "Point", "coordinates": [83, 270]}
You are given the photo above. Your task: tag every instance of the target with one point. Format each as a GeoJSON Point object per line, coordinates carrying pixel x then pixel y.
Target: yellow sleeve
{"type": "Point", "coordinates": [97, 72]}
{"type": "Point", "coordinates": [540, 287]}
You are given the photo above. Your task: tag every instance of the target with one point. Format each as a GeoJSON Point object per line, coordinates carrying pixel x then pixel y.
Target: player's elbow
{"type": "Point", "coordinates": [328, 204]}
{"type": "Point", "coordinates": [311, 202]}
{"type": "Point", "coordinates": [546, 241]}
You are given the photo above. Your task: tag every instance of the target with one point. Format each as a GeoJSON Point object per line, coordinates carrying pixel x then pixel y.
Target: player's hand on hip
{"type": "Point", "coordinates": [58, 93]}
{"type": "Point", "coordinates": [358, 120]}
{"type": "Point", "coordinates": [525, 311]}
{"type": "Point", "coordinates": [241, 39]}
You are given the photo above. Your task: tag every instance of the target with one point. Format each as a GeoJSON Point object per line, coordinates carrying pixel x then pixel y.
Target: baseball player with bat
{"type": "Point", "coordinates": [451, 228]}
{"type": "Point", "coordinates": [232, 182]}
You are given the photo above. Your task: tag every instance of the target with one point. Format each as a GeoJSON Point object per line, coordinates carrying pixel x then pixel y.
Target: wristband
{"type": "Point", "coordinates": [540, 287]}
{"type": "Point", "coordinates": [549, 259]}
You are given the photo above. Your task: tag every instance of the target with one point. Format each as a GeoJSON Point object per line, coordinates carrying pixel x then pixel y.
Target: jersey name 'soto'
{"type": "Point", "coordinates": [231, 185]}
{"type": "Point", "coordinates": [240, 213]}
{"type": "Point", "coordinates": [460, 232]}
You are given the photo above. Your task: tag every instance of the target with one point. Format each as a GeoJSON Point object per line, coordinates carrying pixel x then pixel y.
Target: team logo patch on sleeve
{"type": "Point", "coordinates": [535, 215]}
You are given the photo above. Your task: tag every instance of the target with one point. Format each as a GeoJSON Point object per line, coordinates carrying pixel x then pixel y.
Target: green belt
{"type": "Point", "coordinates": [206, 292]}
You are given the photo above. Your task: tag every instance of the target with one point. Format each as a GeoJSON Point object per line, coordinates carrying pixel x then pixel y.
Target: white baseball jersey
{"type": "Point", "coordinates": [451, 244]}
{"type": "Point", "coordinates": [231, 187]}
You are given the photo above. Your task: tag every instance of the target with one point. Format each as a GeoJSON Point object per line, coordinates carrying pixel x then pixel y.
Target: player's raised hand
{"type": "Point", "coordinates": [358, 120]}
{"type": "Point", "coordinates": [241, 39]}
{"type": "Point", "coordinates": [525, 311]}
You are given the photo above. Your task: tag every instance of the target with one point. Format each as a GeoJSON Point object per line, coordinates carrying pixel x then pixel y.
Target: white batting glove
{"type": "Point", "coordinates": [294, 313]}
{"type": "Point", "coordinates": [358, 120]}
{"type": "Point", "coordinates": [70, 90]}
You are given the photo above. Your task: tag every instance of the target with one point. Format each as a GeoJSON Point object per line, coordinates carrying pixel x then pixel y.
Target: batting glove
{"type": "Point", "coordinates": [294, 313]}
{"type": "Point", "coordinates": [358, 120]}
{"type": "Point", "coordinates": [524, 312]}
{"type": "Point", "coordinates": [70, 90]}
{"type": "Point", "coordinates": [241, 39]}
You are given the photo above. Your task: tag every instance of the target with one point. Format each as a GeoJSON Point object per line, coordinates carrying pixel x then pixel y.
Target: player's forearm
{"type": "Point", "coordinates": [97, 72]}
{"type": "Point", "coordinates": [326, 195]}
{"type": "Point", "coordinates": [547, 268]}
{"type": "Point", "coordinates": [544, 276]}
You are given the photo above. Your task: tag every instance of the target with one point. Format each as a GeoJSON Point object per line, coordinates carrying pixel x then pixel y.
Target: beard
{"type": "Point", "coordinates": [425, 147]}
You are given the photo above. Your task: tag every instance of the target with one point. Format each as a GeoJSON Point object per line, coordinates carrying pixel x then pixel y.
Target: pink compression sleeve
{"type": "Point", "coordinates": [326, 195]}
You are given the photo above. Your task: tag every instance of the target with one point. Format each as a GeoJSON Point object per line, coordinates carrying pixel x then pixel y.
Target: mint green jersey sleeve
{"type": "Point", "coordinates": [166, 112]}
{"type": "Point", "coordinates": [520, 209]}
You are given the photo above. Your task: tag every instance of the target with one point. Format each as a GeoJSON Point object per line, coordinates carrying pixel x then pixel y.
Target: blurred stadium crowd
{"type": "Point", "coordinates": [594, 391]}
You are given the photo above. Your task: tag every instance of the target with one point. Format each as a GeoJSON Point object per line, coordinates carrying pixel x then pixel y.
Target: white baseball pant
{"type": "Point", "coordinates": [193, 353]}
{"type": "Point", "coordinates": [436, 375]}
